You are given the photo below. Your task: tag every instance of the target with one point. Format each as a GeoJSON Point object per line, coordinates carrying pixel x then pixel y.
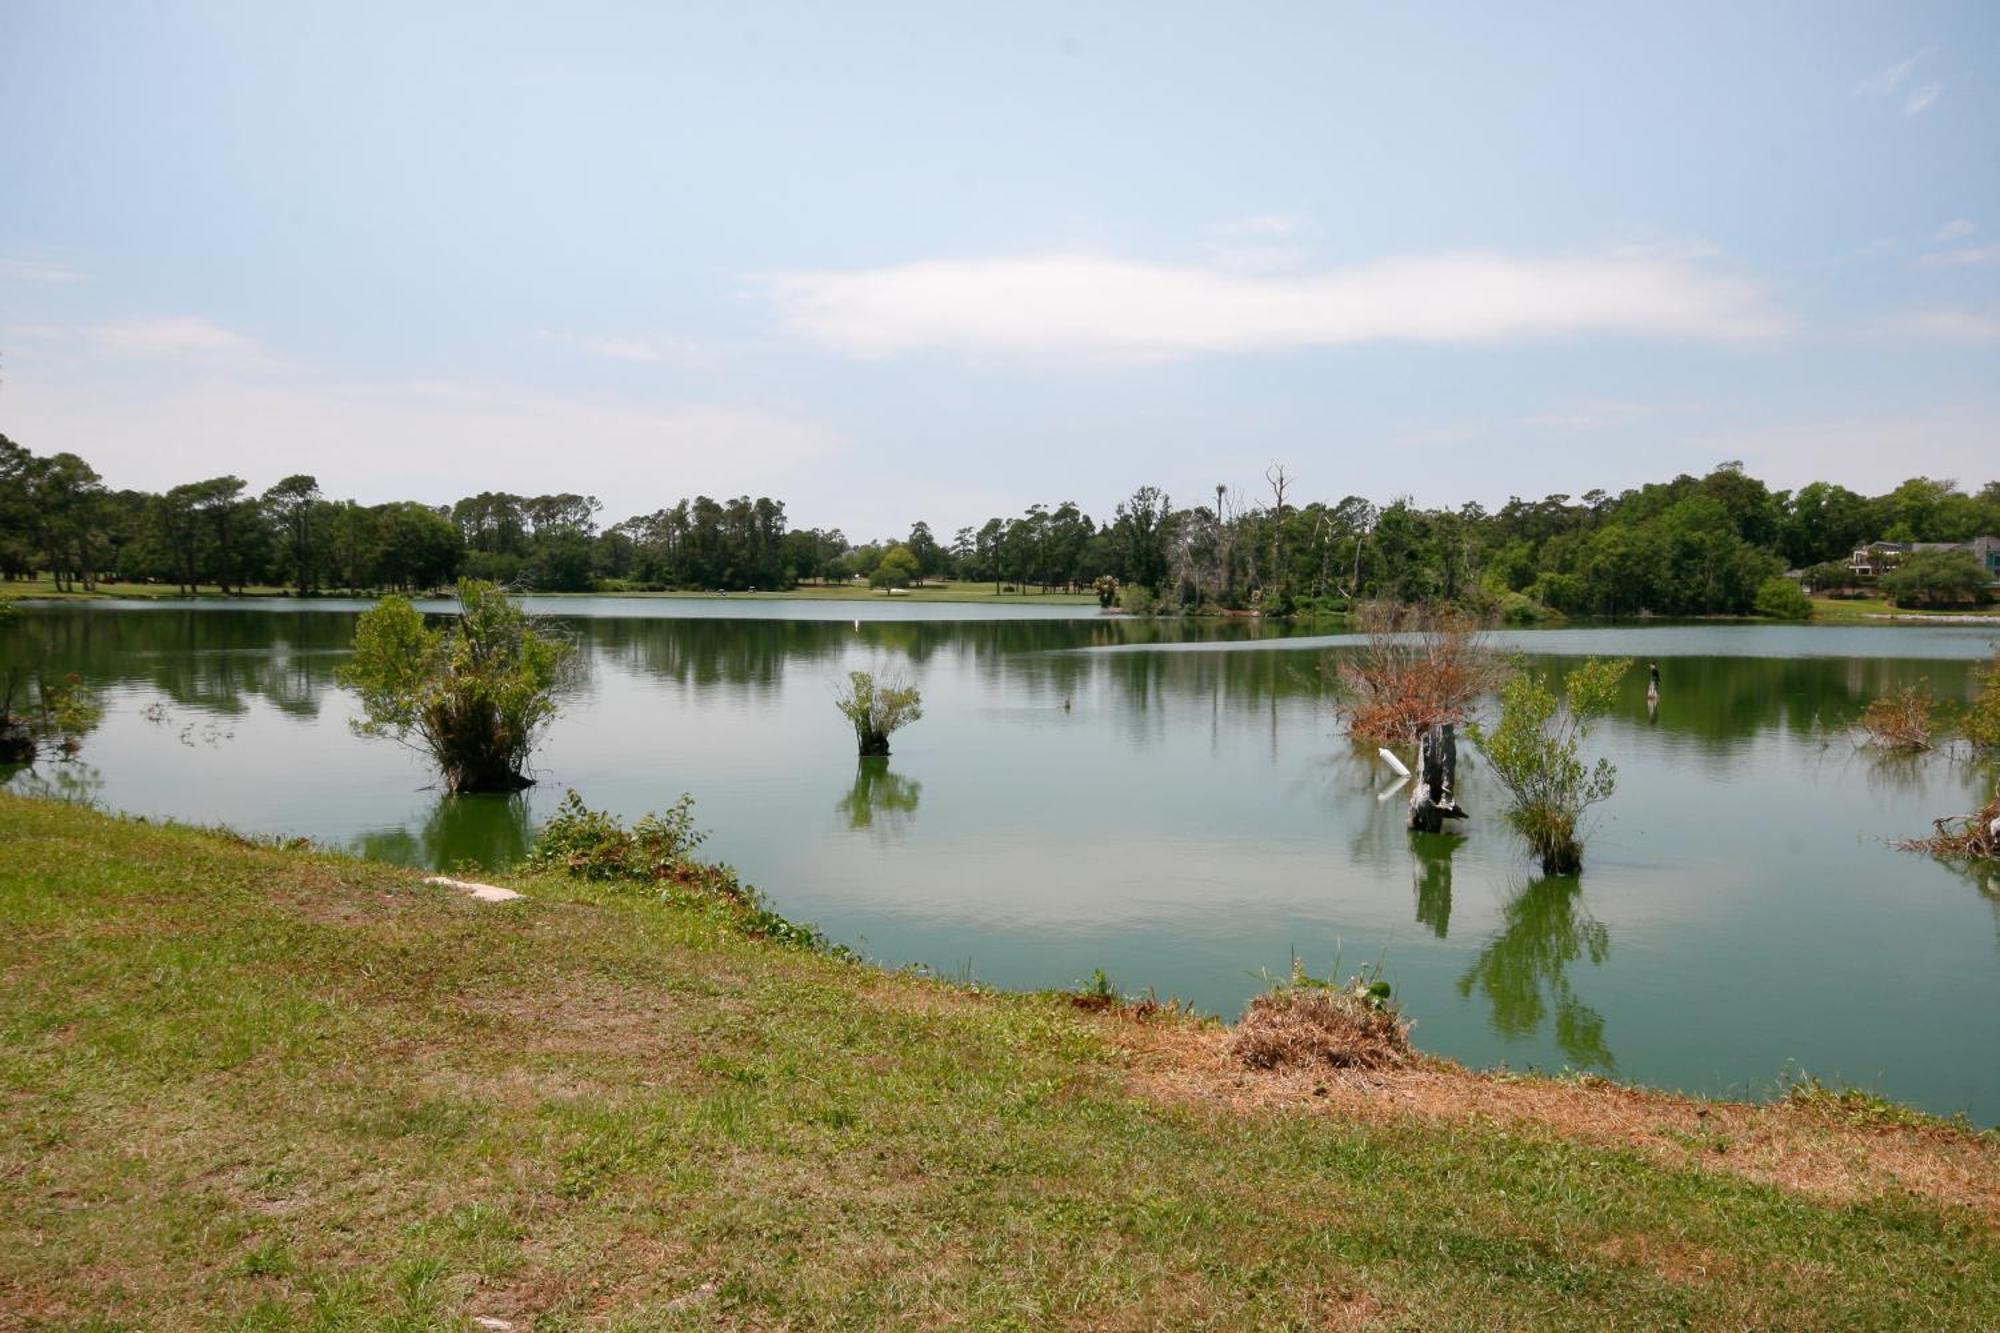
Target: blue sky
{"type": "Point", "coordinates": [942, 261]}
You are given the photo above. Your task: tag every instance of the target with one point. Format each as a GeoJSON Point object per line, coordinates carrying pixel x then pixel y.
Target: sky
{"type": "Point", "coordinates": [943, 261]}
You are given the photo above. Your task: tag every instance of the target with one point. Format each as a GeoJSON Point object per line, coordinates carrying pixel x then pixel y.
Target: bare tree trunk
{"type": "Point", "coordinates": [1433, 797]}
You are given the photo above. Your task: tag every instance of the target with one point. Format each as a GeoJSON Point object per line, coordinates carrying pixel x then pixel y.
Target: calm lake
{"type": "Point", "coordinates": [1176, 805]}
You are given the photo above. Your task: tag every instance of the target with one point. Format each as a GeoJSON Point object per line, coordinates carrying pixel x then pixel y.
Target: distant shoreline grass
{"type": "Point", "coordinates": [257, 1087]}
{"type": "Point", "coordinates": [44, 590]}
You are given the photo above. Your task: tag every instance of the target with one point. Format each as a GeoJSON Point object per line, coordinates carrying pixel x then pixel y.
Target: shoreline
{"type": "Point", "coordinates": [252, 1079]}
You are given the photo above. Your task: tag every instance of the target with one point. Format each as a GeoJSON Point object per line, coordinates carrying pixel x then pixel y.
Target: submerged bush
{"type": "Point", "coordinates": [1982, 718]}
{"type": "Point", "coordinates": [1422, 666]}
{"type": "Point", "coordinates": [1901, 721]}
{"type": "Point", "coordinates": [876, 708]}
{"type": "Point", "coordinates": [1533, 752]}
{"type": "Point", "coordinates": [40, 712]}
{"type": "Point", "coordinates": [1307, 1023]}
{"type": "Point", "coordinates": [659, 852]}
{"type": "Point", "coordinates": [474, 694]}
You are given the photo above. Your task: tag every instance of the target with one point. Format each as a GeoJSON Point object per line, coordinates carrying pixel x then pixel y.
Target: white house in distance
{"type": "Point", "coordinates": [1878, 558]}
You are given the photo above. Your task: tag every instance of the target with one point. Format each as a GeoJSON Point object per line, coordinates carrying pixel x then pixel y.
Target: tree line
{"type": "Point", "coordinates": [1689, 546]}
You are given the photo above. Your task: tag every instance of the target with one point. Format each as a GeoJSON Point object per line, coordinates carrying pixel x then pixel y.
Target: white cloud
{"type": "Point", "coordinates": [1886, 81]}
{"type": "Point", "coordinates": [1921, 98]}
{"type": "Point", "coordinates": [37, 270]}
{"type": "Point", "coordinates": [1964, 257]}
{"type": "Point", "coordinates": [1955, 230]}
{"type": "Point", "coordinates": [1957, 325]}
{"type": "Point", "coordinates": [1089, 306]}
{"type": "Point", "coordinates": [155, 403]}
{"type": "Point", "coordinates": [183, 338]}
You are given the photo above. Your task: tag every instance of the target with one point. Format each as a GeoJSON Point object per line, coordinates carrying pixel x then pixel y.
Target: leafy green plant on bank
{"type": "Point", "coordinates": [658, 852]}
{"type": "Point", "coordinates": [1534, 751]}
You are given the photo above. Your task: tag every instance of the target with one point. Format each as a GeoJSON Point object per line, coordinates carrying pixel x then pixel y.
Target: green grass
{"type": "Point", "coordinates": [929, 592]}
{"type": "Point", "coordinates": [20, 589]}
{"type": "Point", "coordinates": [1871, 609]}
{"type": "Point", "coordinates": [45, 588]}
{"type": "Point", "coordinates": [249, 1088]}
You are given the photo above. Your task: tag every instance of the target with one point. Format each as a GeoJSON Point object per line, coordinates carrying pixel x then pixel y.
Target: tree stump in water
{"type": "Point", "coordinates": [1432, 799]}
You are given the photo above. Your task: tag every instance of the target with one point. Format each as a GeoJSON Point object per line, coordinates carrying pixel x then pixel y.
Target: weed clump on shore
{"type": "Point", "coordinates": [658, 851]}
{"type": "Point", "coordinates": [1307, 1023]}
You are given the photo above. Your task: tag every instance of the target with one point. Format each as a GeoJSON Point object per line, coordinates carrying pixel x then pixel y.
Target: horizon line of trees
{"type": "Point", "coordinates": [1689, 546]}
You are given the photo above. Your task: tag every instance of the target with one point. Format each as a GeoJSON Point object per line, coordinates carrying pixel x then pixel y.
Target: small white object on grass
{"type": "Point", "coordinates": [1393, 762]}
{"type": "Point", "coordinates": [485, 893]}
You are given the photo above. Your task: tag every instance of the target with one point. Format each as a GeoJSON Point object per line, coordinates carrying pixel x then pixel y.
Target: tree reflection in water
{"type": "Point", "coordinates": [1430, 871]}
{"type": "Point", "coordinates": [1522, 970]}
{"type": "Point", "coordinates": [879, 799]}
{"type": "Point", "coordinates": [491, 831]}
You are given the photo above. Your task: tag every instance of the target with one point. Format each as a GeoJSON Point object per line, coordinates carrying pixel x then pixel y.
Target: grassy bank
{"type": "Point", "coordinates": [1881, 611]}
{"type": "Point", "coordinates": [929, 592]}
{"type": "Point", "coordinates": [253, 1088]}
{"type": "Point", "coordinates": [45, 589]}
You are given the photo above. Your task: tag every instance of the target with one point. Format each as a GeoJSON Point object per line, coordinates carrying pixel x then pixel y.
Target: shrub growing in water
{"type": "Point", "coordinates": [37, 713]}
{"type": "Point", "coordinates": [876, 708]}
{"type": "Point", "coordinates": [1422, 666]}
{"type": "Point", "coordinates": [1901, 721]}
{"type": "Point", "coordinates": [474, 694]}
{"type": "Point", "coordinates": [1982, 718]}
{"type": "Point", "coordinates": [1533, 752]}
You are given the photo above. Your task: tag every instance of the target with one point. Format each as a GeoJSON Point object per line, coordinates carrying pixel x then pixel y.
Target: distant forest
{"type": "Point", "coordinates": [1689, 546]}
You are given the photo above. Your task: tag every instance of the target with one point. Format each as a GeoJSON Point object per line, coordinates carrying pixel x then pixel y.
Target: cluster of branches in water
{"type": "Point", "coordinates": [1693, 545]}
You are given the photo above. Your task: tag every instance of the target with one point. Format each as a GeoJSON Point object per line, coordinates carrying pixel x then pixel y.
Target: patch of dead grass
{"type": "Point", "coordinates": [1806, 1148]}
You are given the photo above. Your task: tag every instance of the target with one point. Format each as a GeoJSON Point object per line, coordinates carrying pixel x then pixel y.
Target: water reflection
{"type": "Point", "coordinates": [1430, 868]}
{"type": "Point", "coordinates": [1523, 970]}
{"type": "Point", "coordinates": [880, 800]}
{"type": "Point", "coordinates": [489, 832]}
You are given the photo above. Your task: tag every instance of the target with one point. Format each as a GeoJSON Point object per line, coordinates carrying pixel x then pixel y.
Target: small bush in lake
{"type": "Point", "coordinates": [1533, 751]}
{"type": "Point", "coordinates": [876, 708]}
{"type": "Point", "coordinates": [1901, 721]}
{"type": "Point", "coordinates": [1982, 718]}
{"type": "Point", "coordinates": [1422, 666]}
{"type": "Point", "coordinates": [475, 694]}
{"type": "Point", "coordinates": [40, 712]}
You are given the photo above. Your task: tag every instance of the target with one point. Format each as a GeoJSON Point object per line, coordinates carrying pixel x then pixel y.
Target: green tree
{"type": "Point", "coordinates": [474, 695]}
{"type": "Point", "coordinates": [1140, 536]}
{"type": "Point", "coordinates": [294, 505]}
{"type": "Point", "coordinates": [897, 569]}
{"type": "Point", "coordinates": [1782, 599]}
{"type": "Point", "coordinates": [1937, 578]}
{"type": "Point", "coordinates": [1533, 751]}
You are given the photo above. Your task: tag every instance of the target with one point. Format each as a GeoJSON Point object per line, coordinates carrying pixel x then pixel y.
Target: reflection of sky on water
{"type": "Point", "coordinates": [1185, 820]}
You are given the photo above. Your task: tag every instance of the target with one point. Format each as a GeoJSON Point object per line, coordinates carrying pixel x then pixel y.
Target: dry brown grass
{"type": "Point", "coordinates": [1901, 721]}
{"type": "Point", "coordinates": [1422, 665]}
{"type": "Point", "coordinates": [1320, 1027]}
{"type": "Point", "coordinates": [1819, 1147]}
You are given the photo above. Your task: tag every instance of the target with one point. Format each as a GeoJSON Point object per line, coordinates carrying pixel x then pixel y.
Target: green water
{"type": "Point", "coordinates": [1176, 805]}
